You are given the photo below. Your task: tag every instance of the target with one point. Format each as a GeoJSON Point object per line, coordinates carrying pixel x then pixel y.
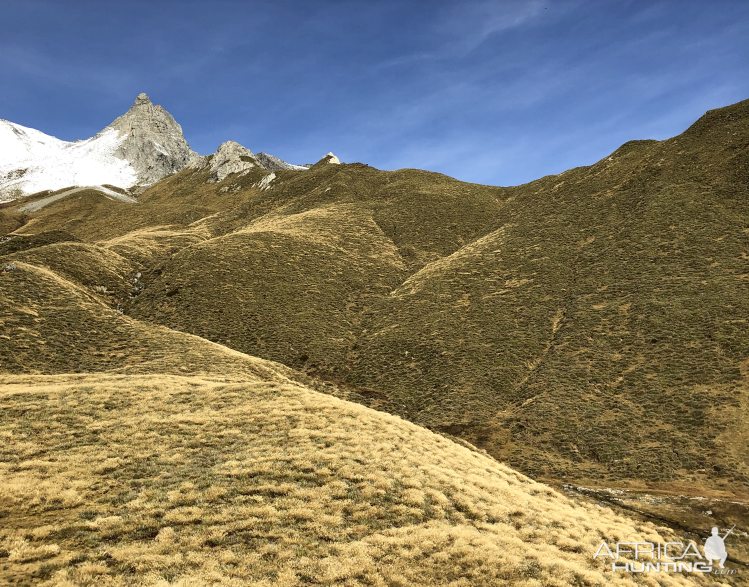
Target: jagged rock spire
{"type": "Point", "coordinates": [154, 144]}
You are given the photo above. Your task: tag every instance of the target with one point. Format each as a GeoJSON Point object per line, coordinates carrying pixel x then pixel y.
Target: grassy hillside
{"type": "Point", "coordinates": [593, 334]}
{"type": "Point", "coordinates": [554, 318]}
{"type": "Point", "coordinates": [8, 221]}
{"type": "Point", "coordinates": [322, 267]}
{"type": "Point", "coordinates": [177, 200]}
{"type": "Point", "coordinates": [589, 327]}
{"type": "Point", "coordinates": [180, 461]}
{"type": "Point", "coordinates": [156, 480]}
{"type": "Point", "coordinates": [51, 325]}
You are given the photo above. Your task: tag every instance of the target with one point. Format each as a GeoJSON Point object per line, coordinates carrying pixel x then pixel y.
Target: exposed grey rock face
{"type": "Point", "coordinates": [200, 162]}
{"type": "Point", "coordinates": [272, 163]}
{"type": "Point", "coordinates": [154, 145]}
{"type": "Point", "coordinates": [231, 157]}
{"type": "Point", "coordinates": [264, 183]}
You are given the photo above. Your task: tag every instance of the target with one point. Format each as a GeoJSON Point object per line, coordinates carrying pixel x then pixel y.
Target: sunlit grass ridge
{"type": "Point", "coordinates": [125, 480]}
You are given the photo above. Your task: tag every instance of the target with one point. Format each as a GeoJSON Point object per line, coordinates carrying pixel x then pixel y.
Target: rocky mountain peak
{"type": "Point", "coordinates": [154, 144]}
{"type": "Point", "coordinates": [139, 148]}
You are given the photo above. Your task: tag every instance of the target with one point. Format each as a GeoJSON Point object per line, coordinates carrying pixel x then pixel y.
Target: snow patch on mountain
{"type": "Point", "coordinates": [31, 161]}
{"type": "Point", "coordinates": [139, 148]}
{"type": "Point", "coordinates": [37, 205]}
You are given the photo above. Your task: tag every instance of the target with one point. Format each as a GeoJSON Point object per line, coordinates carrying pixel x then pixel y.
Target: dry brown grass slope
{"type": "Point", "coordinates": [289, 288]}
{"type": "Point", "coordinates": [360, 232]}
{"type": "Point", "coordinates": [51, 325]}
{"type": "Point", "coordinates": [587, 326]}
{"type": "Point", "coordinates": [92, 267]}
{"type": "Point", "coordinates": [8, 222]}
{"type": "Point", "coordinates": [166, 480]}
{"type": "Point", "coordinates": [184, 462]}
{"type": "Point", "coordinates": [599, 332]}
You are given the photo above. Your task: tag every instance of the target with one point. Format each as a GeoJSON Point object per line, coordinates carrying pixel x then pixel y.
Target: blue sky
{"type": "Point", "coordinates": [493, 92]}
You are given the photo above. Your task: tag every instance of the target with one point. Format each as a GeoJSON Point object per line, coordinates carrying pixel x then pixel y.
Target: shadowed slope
{"type": "Point", "coordinates": [92, 267]}
{"type": "Point", "coordinates": [17, 244]}
{"type": "Point", "coordinates": [593, 332]}
{"type": "Point", "coordinates": [52, 325]}
{"type": "Point", "coordinates": [322, 267]}
{"type": "Point", "coordinates": [8, 222]}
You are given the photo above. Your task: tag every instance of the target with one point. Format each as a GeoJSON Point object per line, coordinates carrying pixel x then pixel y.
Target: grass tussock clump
{"type": "Point", "coordinates": [157, 480]}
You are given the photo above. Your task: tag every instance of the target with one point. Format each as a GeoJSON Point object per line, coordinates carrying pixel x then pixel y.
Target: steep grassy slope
{"type": "Point", "coordinates": [88, 266]}
{"type": "Point", "coordinates": [157, 480]}
{"type": "Point", "coordinates": [319, 246]}
{"type": "Point", "coordinates": [590, 325]}
{"type": "Point", "coordinates": [18, 243]}
{"type": "Point", "coordinates": [592, 334]}
{"type": "Point", "coordinates": [320, 267]}
{"type": "Point", "coordinates": [182, 461]}
{"type": "Point", "coordinates": [8, 222]}
{"type": "Point", "coordinates": [50, 324]}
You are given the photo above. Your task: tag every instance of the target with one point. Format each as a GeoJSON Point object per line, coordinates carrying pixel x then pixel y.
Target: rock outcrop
{"type": "Point", "coordinates": [264, 183]}
{"type": "Point", "coordinates": [272, 163]}
{"type": "Point", "coordinates": [231, 157]}
{"type": "Point", "coordinates": [154, 144]}
{"type": "Point", "coordinates": [328, 159]}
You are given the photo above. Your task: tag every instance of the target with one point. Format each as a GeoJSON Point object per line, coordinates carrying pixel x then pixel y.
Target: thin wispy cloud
{"type": "Point", "coordinates": [468, 25]}
{"type": "Point", "coordinates": [463, 27]}
{"type": "Point", "coordinates": [497, 92]}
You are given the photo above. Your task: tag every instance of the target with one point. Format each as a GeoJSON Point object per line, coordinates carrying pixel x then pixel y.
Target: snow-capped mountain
{"type": "Point", "coordinates": [31, 161]}
{"type": "Point", "coordinates": [139, 148]}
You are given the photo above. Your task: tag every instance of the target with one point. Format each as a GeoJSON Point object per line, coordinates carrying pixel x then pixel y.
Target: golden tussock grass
{"type": "Point", "coordinates": [157, 480]}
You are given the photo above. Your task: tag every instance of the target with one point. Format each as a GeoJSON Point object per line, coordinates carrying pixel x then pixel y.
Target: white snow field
{"type": "Point", "coordinates": [52, 164]}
